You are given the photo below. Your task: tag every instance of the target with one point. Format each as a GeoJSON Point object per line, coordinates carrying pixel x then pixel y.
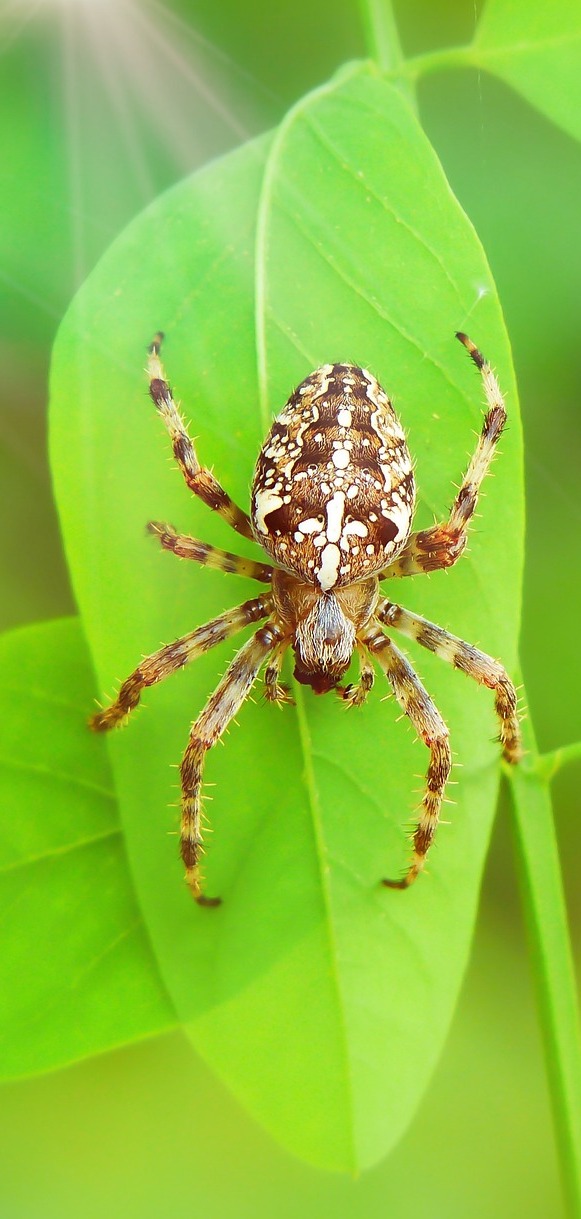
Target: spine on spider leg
{"type": "Point", "coordinates": [174, 656]}
{"type": "Point", "coordinates": [191, 843]}
{"type": "Point", "coordinates": [186, 547]}
{"type": "Point", "coordinates": [199, 479]}
{"type": "Point", "coordinates": [127, 699]}
{"type": "Point", "coordinates": [161, 395]}
{"type": "Point", "coordinates": [416, 703]}
{"type": "Point", "coordinates": [209, 726]}
{"type": "Point", "coordinates": [494, 421]}
{"type": "Point", "coordinates": [496, 414]}
{"type": "Point", "coordinates": [472, 349]}
{"type": "Point", "coordinates": [469, 660]}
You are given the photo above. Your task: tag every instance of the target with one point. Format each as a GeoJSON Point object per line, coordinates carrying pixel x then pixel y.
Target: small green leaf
{"type": "Point", "coordinates": [536, 48]}
{"type": "Point", "coordinates": [320, 998]}
{"type": "Point", "coordinates": [77, 975]}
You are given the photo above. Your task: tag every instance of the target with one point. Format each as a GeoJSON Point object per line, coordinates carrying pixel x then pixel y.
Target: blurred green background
{"type": "Point", "coordinates": [104, 103]}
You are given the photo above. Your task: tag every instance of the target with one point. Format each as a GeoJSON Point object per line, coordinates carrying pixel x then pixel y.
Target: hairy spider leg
{"type": "Point", "coordinates": [414, 699]}
{"type": "Point", "coordinates": [276, 691]}
{"type": "Point", "coordinates": [199, 479]}
{"type": "Point", "coordinates": [470, 660]}
{"type": "Point", "coordinates": [356, 693]}
{"type": "Point", "coordinates": [174, 656]}
{"type": "Point", "coordinates": [186, 547]}
{"type": "Point", "coordinates": [208, 728]}
{"type": "Point", "coordinates": [442, 544]}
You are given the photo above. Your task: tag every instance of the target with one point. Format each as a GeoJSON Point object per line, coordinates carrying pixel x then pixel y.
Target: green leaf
{"type": "Point", "coordinates": [77, 975]}
{"type": "Point", "coordinates": [536, 48]}
{"type": "Point", "coordinates": [322, 999]}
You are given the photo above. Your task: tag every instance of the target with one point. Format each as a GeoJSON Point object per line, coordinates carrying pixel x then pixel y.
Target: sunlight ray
{"type": "Point", "coordinates": [23, 16]}
{"type": "Point", "coordinates": [187, 32]}
{"type": "Point", "coordinates": [142, 99]}
{"type": "Point", "coordinates": [177, 61]}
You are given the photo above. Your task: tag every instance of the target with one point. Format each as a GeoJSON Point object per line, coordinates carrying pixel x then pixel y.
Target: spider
{"type": "Point", "coordinates": [332, 504]}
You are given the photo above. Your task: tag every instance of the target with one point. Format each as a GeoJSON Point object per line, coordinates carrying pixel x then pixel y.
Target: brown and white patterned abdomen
{"type": "Point", "coordinates": [333, 491]}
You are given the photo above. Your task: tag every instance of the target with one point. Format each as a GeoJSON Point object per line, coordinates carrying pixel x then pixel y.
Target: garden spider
{"type": "Point", "coordinates": [332, 505]}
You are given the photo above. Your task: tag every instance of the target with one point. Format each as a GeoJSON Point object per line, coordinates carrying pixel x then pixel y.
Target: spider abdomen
{"type": "Point", "coordinates": [333, 491]}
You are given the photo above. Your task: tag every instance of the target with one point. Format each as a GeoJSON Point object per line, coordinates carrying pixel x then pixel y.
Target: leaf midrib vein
{"type": "Point", "coordinates": [304, 736]}
{"type": "Point", "coordinates": [314, 804]}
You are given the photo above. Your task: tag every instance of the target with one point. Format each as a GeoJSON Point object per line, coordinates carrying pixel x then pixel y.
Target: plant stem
{"type": "Point", "coordinates": [382, 34]}
{"type": "Point", "coordinates": [549, 764]}
{"type": "Point", "coordinates": [552, 964]}
{"type": "Point", "coordinates": [437, 61]}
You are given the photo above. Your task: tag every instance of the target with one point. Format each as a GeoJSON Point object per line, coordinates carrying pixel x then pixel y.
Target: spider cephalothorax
{"type": "Point", "coordinates": [332, 505]}
{"type": "Point", "coordinates": [322, 626]}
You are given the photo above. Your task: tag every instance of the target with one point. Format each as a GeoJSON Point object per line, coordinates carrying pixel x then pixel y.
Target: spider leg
{"type": "Point", "coordinates": [355, 695]}
{"type": "Point", "coordinates": [274, 690]}
{"type": "Point", "coordinates": [200, 480]}
{"type": "Point", "coordinates": [414, 699]}
{"type": "Point", "coordinates": [174, 656]}
{"type": "Point", "coordinates": [209, 556]}
{"type": "Point", "coordinates": [479, 666]}
{"type": "Point", "coordinates": [209, 726]}
{"type": "Point", "coordinates": [442, 544]}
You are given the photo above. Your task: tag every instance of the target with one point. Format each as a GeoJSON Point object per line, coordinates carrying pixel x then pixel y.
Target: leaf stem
{"type": "Point", "coordinates": [552, 963]}
{"type": "Point", "coordinates": [382, 34]}
{"type": "Point", "coordinates": [383, 42]}
{"type": "Point", "coordinates": [436, 61]}
{"type": "Point", "coordinates": [549, 764]}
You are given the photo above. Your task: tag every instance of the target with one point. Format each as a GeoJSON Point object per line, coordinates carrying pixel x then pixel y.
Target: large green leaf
{"type": "Point", "coordinates": [536, 48]}
{"type": "Point", "coordinates": [77, 974]}
{"type": "Point", "coordinates": [321, 998]}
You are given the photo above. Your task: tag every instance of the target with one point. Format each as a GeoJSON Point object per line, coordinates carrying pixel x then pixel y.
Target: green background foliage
{"type": "Point", "coordinates": [82, 984]}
